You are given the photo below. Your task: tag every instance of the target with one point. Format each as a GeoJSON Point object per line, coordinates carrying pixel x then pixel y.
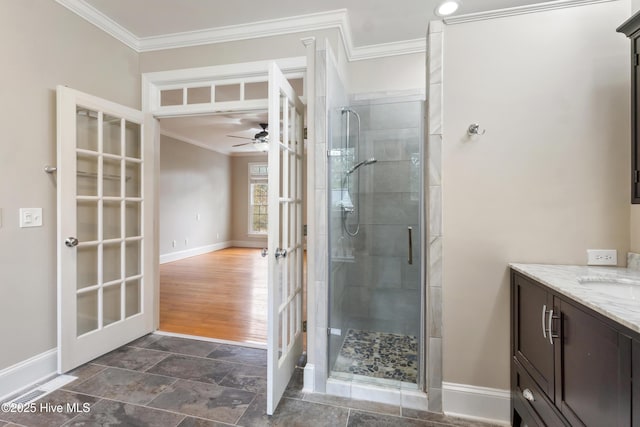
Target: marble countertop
{"type": "Point", "coordinates": [564, 279]}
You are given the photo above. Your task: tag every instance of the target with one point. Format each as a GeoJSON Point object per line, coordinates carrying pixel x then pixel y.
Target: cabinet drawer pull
{"type": "Point", "coordinates": [544, 326]}
{"type": "Point", "coordinates": [528, 394]}
{"type": "Point", "coordinates": [551, 334]}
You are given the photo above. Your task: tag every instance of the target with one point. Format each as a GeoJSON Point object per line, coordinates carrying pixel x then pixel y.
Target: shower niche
{"type": "Point", "coordinates": [375, 243]}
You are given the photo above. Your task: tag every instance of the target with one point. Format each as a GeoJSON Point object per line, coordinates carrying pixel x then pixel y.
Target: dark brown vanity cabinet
{"type": "Point", "coordinates": [631, 28]}
{"type": "Point", "coordinates": [570, 365]}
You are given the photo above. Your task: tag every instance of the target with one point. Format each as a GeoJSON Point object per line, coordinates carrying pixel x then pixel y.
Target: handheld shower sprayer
{"type": "Point", "coordinates": [362, 163]}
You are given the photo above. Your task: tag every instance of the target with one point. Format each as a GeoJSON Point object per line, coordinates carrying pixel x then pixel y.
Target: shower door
{"type": "Point", "coordinates": [375, 219]}
{"type": "Point", "coordinates": [105, 290]}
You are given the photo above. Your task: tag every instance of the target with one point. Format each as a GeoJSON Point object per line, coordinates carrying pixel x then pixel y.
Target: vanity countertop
{"type": "Point", "coordinates": [564, 279]}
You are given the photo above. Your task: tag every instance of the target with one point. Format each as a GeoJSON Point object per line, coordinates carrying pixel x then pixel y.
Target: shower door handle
{"type": "Point", "coordinates": [410, 260]}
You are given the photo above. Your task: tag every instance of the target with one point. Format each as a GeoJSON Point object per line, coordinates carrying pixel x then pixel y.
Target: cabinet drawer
{"type": "Point", "coordinates": [532, 397]}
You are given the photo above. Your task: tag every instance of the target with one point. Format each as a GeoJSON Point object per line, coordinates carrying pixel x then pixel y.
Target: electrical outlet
{"type": "Point", "coordinates": [602, 257]}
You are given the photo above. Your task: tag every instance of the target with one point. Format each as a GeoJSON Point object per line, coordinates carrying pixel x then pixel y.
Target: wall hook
{"type": "Point", "coordinates": [474, 129]}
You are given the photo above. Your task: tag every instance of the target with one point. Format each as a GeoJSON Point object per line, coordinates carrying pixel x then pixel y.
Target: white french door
{"type": "Point", "coordinates": [285, 245]}
{"type": "Point", "coordinates": [105, 293]}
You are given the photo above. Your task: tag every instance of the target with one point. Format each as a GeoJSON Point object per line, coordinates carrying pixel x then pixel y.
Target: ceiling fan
{"type": "Point", "coordinates": [260, 137]}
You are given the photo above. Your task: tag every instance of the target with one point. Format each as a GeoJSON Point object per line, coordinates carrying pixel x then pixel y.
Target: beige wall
{"type": "Point", "coordinates": [394, 73]}
{"type": "Point", "coordinates": [549, 178]}
{"type": "Point", "coordinates": [240, 199]}
{"type": "Point", "coordinates": [43, 45]}
{"type": "Point", "coordinates": [635, 209]}
{"type": "Point", "coordinates": [194, 182]}
{"type": "Point", "coordinates": [635, 229]}
{"type": "Point", "coordinates": [232, 52]}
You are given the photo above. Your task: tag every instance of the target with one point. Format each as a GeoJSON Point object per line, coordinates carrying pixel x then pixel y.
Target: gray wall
{"type": "Point", "coordinates": [43, 45]}
{"type": "Point", "coordinates": [195, 196]}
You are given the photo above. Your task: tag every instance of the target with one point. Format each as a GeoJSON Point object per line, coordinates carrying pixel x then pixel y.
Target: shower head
{"type": "Point", "coordinates": [362, 163]}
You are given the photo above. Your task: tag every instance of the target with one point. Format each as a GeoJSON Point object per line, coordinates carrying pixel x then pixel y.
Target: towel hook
{"type": "Point", "coordinates": [474, 129]}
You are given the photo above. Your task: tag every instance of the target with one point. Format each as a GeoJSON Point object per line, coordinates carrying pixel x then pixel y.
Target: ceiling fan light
{"type": "Point", "coordinates": [447, 7]}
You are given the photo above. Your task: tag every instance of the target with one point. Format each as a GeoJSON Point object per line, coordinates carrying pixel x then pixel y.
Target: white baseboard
{"type": "Point", "coordinates": [27, 373]}
{"type": "Point", "coordinates": [477, 403]}
{"type": "Point", "coordinates": [176, 256]}
{"type": "Point", "coordinates": [249, 243]}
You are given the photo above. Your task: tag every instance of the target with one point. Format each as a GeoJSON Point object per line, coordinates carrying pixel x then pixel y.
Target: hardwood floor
{"type": "Point", "coordinates": [221, 294]}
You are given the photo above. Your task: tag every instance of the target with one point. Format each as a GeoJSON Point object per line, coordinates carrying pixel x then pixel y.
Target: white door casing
{"type": "Point", "coordinates": [105, 224]}
{"type": "Point", "coordinates": [285, 244]}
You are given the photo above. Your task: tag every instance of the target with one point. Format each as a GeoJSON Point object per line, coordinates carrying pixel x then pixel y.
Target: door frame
{"type": "Point", "coordinates": [153, 83]}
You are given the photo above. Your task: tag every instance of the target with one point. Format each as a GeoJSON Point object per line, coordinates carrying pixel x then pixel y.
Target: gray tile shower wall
{"type": "Point", "coordinates": [381, 290]}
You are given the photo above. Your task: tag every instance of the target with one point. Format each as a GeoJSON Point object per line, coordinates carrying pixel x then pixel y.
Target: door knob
{"type": "Point", "coordinates": [71, 242]}
{"type": "Point", "coordinates": [281, 253]}
{"type": "Point", "coordinates": [263, 252]}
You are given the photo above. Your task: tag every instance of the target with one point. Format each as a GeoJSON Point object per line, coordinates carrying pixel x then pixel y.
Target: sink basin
{"type": "Point", "coordinates": [627, 289]}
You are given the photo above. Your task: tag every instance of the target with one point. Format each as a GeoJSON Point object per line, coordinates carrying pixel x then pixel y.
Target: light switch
{"type": "Point", "coordinates": [30, 217]}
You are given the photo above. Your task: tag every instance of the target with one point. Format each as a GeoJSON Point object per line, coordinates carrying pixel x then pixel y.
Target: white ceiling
{"type": "Point", "coordinates": [368, 23]}
{"type": "Point", "coordinates": [371, 21]}
{"type": "Point", "coordinates": [212, 131]}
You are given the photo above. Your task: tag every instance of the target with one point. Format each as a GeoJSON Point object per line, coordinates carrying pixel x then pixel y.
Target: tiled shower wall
{"type": "Point", "coordinates": [379, 289]}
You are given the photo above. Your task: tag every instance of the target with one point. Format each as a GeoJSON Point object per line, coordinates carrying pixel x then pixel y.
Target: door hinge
{"type": "Point", "coordinates": [636, 59]}
{"type": "Point", "coordinates": [305, 133]}
{"type": "Point", "coordinates": [304, 326]}
{"type": "Point", "coordinates": [636, 176]}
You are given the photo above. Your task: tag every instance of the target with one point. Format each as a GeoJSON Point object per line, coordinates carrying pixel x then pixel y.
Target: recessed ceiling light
{"type": "Point", "coordinates": [447, 7]}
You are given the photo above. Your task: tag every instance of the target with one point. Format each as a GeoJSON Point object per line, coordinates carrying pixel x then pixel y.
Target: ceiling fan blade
{"type": "Point", "coordinates": [241, 137]}
{"type": "Point", "coordinates": [240, 145]}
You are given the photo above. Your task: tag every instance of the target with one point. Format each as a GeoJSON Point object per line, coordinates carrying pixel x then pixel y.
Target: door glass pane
{"type": "Point", "coordinates": [132, 140]}
{"type": "Point", "coordinates": [86, 129]}
{"type": "Point", "coordinates": [132, 297]}
{"type": "Point", "coordinates": [133, 257]}
{"type": "Point", "coordinates": [111, 220]}
{"type": "Point", "coordinates": [87, 270]}
{"type": "Point", "coordinates": [111, 262]}
{"type": "Point", "coordinates": [87, 217]}
{"type": "Point", "coordinates": [111, 137]}
{"type": "Point", "coordinates": [133, 177]}
{"type": "Point", "coordinates": [87, 175]}
{"type": "Point", "coordinates": [111, 304]}
{"type": "Point", "coordinates": [133, 216]}
{"type": "Point", "coordinates": [111, 177]}
{"type": "Point", "coordinates": [87, 312]}
{"type": "Point", "coordinates": [199, 95]}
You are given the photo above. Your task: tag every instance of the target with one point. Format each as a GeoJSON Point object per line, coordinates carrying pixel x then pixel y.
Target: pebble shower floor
{"type": "Point", "coordinates": [379, 355]}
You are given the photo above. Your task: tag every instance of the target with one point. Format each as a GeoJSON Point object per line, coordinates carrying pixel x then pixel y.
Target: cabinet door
{"type": "Point", "coordinates": [531, 347]}
{"type": "Point", "coordinates": [635, 369]}
{"type": "Point", "coordinates": [635, 120]}
{"type": "Point", "coordinates": [593, 370]}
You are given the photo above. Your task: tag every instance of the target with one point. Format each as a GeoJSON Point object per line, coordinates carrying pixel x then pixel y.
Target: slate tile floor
{"type": "Point", "coordinates": [175, 382]}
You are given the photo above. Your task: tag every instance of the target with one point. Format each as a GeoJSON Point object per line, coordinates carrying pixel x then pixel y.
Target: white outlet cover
{"type": "Point", "coordinates": [30, 217]}
{"type": "Point", "coordinates": [602, 257]}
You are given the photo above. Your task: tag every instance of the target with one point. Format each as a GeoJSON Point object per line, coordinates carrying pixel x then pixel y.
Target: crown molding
{"type": "Point", "coordinates": [387, 49]}
{"type": "Point", "coordinates": [295, 24]}
{"type": "Point", "coordinates": [519, 10]}
{"type": "Point", "coordinates": [267, 28]}
{"type": "Point", "coordinates": [102, 21]}
{"type": "Point", "coordinates": [179, 137]}
{"type": "Point", "coordinates": [182, 138]}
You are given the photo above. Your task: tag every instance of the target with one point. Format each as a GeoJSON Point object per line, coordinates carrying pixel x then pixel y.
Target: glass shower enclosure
{"type": "Point", "coordinates": [376, 202]}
